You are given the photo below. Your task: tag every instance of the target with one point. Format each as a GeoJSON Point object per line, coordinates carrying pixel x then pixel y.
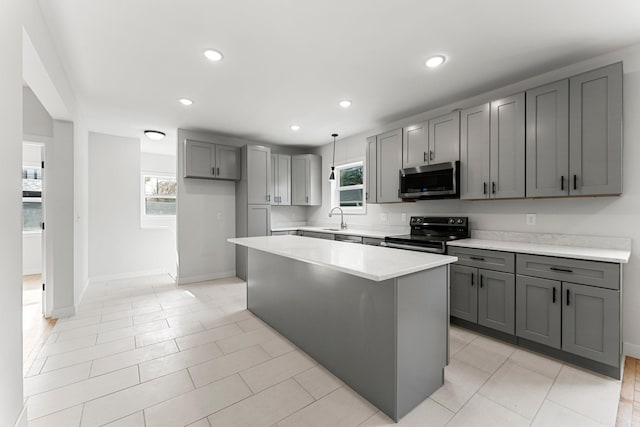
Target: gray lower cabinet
{"type": "Point", "coordinates": [595, 129]}
{"type": "Point", "coordinates": [388, 165]}
{"type": "Point", "coordinates": [258, 220]}
{"type": "Point", "coordinates": [317, 235]}
{"type": "Point", "coordinates": [371, 241]}
{"type": "Point", "coordinates": [496, 300]}
{"type": "Point", "coordinates": [370, 170]}
{"type": "Point", "coordinates": [538, 310]}
{"type": "Point", "coordinates": [463, 293]}
{"type": "Point", "coordinates": [548, 140]}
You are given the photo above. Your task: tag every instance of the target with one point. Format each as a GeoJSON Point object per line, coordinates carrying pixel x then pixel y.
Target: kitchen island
{"type": "Point", "coordinates": [376, 317]}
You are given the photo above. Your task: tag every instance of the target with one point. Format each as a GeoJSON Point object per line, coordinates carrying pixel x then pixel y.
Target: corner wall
{"type": "Point", "coordinates": [603, 216]}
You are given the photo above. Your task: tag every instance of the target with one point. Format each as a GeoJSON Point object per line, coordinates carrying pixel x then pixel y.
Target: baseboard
{"type": "Point", "coordinates": [629, 349]}
{"type": "Point", "coordinates": [22, 418]}
{"type": "Point", "coordinates": [60, 313]}
{"type": "Point", "coordinates": [205, 277]}
{"type": "Point", "coordinates": [129, 275]}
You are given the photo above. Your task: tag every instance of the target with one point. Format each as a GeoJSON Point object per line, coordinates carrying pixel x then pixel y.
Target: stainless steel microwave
{"type": "Point", "coordinates": [439, 181]}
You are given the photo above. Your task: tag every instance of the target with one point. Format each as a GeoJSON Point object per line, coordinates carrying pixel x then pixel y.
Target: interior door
{"type": "Point", "coordinates": [43, 236]}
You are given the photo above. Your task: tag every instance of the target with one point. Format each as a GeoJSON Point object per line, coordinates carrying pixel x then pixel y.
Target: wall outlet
{"type": "Point", "coordinates": [403, 217]}
{"type": "Point", "coordinates": [531, 219]}
{"type": "Point", "coordinates": [384, 217]}
{"type": "Point", "coordinates": [219, 216]}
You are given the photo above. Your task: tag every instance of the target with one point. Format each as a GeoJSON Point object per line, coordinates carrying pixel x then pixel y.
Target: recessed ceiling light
{"type": "Point", "coordinates": [435, 61]}
{"type": "Point", "coordinates": [345, 103]}
{"type": "Point", "coordinates": [156, 135]}
{"type": "Point", "coordinates": [213, 55]}
{"type": "Point", "coordinates": [185, 101]}
{"type": "Point", "coordinates": [294, 128]}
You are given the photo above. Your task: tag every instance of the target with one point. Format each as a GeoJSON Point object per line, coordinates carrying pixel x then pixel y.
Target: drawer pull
{"type": "Point", "coordinates": [567, 296]}
{"type": "Point", "coordinates": [562, 270]}
{"type": "Point", "coordinates": [472, 276]}
{"type": "Point", "coordinates": [484, 188]}
{"type": "Point", "coordinates": [476, 258]}
{"type": "Point", "coordinates": [562, 183]}
{"type": "Point", "coordinates": [554, 295]}
{"type": "Point", "coordinates": [481, 281]}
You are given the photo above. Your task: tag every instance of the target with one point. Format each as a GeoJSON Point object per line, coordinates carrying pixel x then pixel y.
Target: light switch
{"type": "Point", "coordinates": [531, 219]}
{"type": "Point", "coordinates": [404, 217]}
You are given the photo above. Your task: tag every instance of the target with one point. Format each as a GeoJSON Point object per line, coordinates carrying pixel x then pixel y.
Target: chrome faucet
{"type": "Point", "coordinates": [343, 224]}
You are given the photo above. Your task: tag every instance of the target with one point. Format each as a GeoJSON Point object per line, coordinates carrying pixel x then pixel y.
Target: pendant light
{"type": "Point", "coordinates": [332, 177]}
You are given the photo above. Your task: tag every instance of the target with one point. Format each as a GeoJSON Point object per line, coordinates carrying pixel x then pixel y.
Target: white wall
{"type": "Point", "coordinates": [118, 245]}
{"type": "Point", "coordinates": [605, 216]}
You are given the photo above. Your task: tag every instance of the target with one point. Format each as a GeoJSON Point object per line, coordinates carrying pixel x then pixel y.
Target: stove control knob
{"type": "Point", "coordinates": [419, 220]}
{"type": "Point", "coordinates": [452, 221]}
{"type": "Point", "coordinates": [460, 221]}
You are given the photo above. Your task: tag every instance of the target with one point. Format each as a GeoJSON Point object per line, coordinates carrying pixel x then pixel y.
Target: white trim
{"type": "Point", "coordinates": [129, 275]}
{"type": "Point", "coordinates": [36, 139]}
{"type": "Point", "coordinates": [335, 190]}
{"type": "Point", "coordinates": [206, 277]}
{"type": "Point", "coordinates": [59, 313]}
{"type": "Point", "coordinates": [630, 349]}
{"type": "Point", "coordinates": [22, 418]}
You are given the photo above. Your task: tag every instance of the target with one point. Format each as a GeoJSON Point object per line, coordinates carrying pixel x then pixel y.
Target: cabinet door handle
{"type": "Point", "coordinates": [268, 197]}
{"type": "Point", "coordinates": [476, 258]}
{"type": "Point", "coordinates": [213, 171]}
{"type": "Point", "coordinates": [306, 199]}
{"type": "Point", "coordinates": [430, 154]}
{"type": "Point", "coordinates": [562, 270]}
{"type": "Point", "coordinates": [472, 276]}
{"type": "Point", "coordinates": [575, 182]}
{"type": "Point", "coordinates": [567, 297]}
{"type": "Point", "coordinates": [554, 295]}
{"type": "Point", "coordinates": [217, 171]}
{"type": "Point", "coordinates": [493, 187]}
{"type": "Point", "coordinates": [562, 183]}
{"type": "Point", "coordinates": [367, 195]}
{"type": "Point", "coordinates": [484, 188]}
{"type": "Point", "coordinates": [481, 281]}
{"type": "Point", "coordinates": [424, 156]}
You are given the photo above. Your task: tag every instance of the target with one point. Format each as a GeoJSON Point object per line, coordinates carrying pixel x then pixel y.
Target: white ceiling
{"type": "Point", "coordinates": [291, 61]}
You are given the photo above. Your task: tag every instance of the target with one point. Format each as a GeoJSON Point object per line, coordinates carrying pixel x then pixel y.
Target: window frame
{"type": "Point", "coordinates": [336, 189]}
{"type": "Point", "coordinates": [155, 221]}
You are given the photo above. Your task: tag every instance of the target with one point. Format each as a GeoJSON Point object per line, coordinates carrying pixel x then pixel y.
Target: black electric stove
{"type": "Point", "coordinates": [430, 234]}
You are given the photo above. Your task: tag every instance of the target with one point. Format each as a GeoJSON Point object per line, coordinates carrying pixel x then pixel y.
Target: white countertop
{"type": "Point", "coordinates": [377, 234]}
{"type": "Point", "coordinates": [370, 262]}
{"type": "Point", "coordinates": [592, 254]}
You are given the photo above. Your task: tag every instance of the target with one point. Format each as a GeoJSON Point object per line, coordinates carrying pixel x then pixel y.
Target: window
{"type": "Point", "coordinates": [348, 190]}
{"type": "Point", "coordinates": [159, 197]}
{"type": "Point", "coordinates": [31, 199]}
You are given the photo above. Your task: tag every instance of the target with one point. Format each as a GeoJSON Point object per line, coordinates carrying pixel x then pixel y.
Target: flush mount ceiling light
{"type": "Point", "coordinates": [185, 101]}
{"type": "Point", "coordinates": [345, 103]}
{"type": "Point", "coordinates": [294, 128]}
{"type": "Point", "coordinates": [435, 61]}
{"type": "Point", "coordinates": [155, 135]}
{"type": "Point", "coordinates": [332, 177]}
{"type": "Point", "coordinates": [213, 55]}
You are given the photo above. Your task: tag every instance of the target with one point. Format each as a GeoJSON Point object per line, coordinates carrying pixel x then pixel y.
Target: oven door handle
{"type": "Point", "coordinates": [411, 247]}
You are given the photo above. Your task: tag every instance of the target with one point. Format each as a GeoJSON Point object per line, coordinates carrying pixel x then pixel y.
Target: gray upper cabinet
{"type": "Point", "coordinates": [548, 140]}
{"type": "Point", "coordinates": [258, 175]}
{"type": "Point", "coordinates": [463, 293]}
{"type": "Point", "coordinates": [211, 161]}
{"type": "Point", "coordinates": [227, 162]}
{"type": "Point", "coordinates": [415, 145]}
{"type": "Point", "coordinates": [538, 310]}
{"type": "Point", "coordinates": [591, 322]}
{"type": "Point", "coordinates": [507, 162]}
{"type": "Point", "coordinates": [595, 129]}
{"type": "Point", "coordinates": [496, 300]}
{"type": "Point", "coordinates": [474, 152]}
{"type": "Point", "coordinates": [371, 170]}
{"type": "Point", "coordinates": [280, 179]}
{"type": "Point", "coordinates": [389, 163]}
{"type": "Point", "coordinates": [306, 184]}
{"type": "Point", "coordinates": [444, 138]}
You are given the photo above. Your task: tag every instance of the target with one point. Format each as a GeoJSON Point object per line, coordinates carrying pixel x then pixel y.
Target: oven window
{"type": "Point", "coordinates": [433, 181]}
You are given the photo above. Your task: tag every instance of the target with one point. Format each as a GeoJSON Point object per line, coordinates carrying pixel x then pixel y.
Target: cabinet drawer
{"type": "Point", "coordinates": [318, 235]}
{"type": "Point", "coordinates": [482, 258]}
{"type": "Point", "coordinates": [594, 273]}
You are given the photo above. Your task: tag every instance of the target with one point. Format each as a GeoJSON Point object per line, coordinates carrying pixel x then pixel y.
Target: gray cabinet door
{"type": "Point", "coordinates": [273, 179]}
{"type": "Point", "coordinates": [300, 180]}
{"type": "Point", "coordinates": [595, 129]}
{"type": "Point", "coordinates": [199, 159]}
{"type": "Point", "coordinates": [389, 163]}
{"type": "Point", "coordinates": [227, 162]}
{"type": "Point", "coordinates": [507, 147]}
{"type": "Point", "coordinates": [463, 293]}
{"type": "Point", "coordinates": [474, 152]}
{"type": "Point", "coordinates": [258, 220]}
{"type": "Point", "coordinates": [538, 310]}
{"type": "Point", "coordinates": [415, 145]}
{"type": "Point", "coordinates": [548, 140]}
{"type": "Point", "coordinates": [496, 300]}
{"type": "Point", "coordinates": [371, 170]}
{"type": "Point", "coordinates": [444, 138]}
{"type": "Point", "coordinates": [284, 179]}
{"type": "Point", "coordinates": [591, 322]}
{"type": "Point", "coordinates": [258, 174]}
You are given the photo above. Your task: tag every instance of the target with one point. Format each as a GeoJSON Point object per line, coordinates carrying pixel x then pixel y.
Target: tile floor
{"type": "Point", "coordinates": [143, 352]}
